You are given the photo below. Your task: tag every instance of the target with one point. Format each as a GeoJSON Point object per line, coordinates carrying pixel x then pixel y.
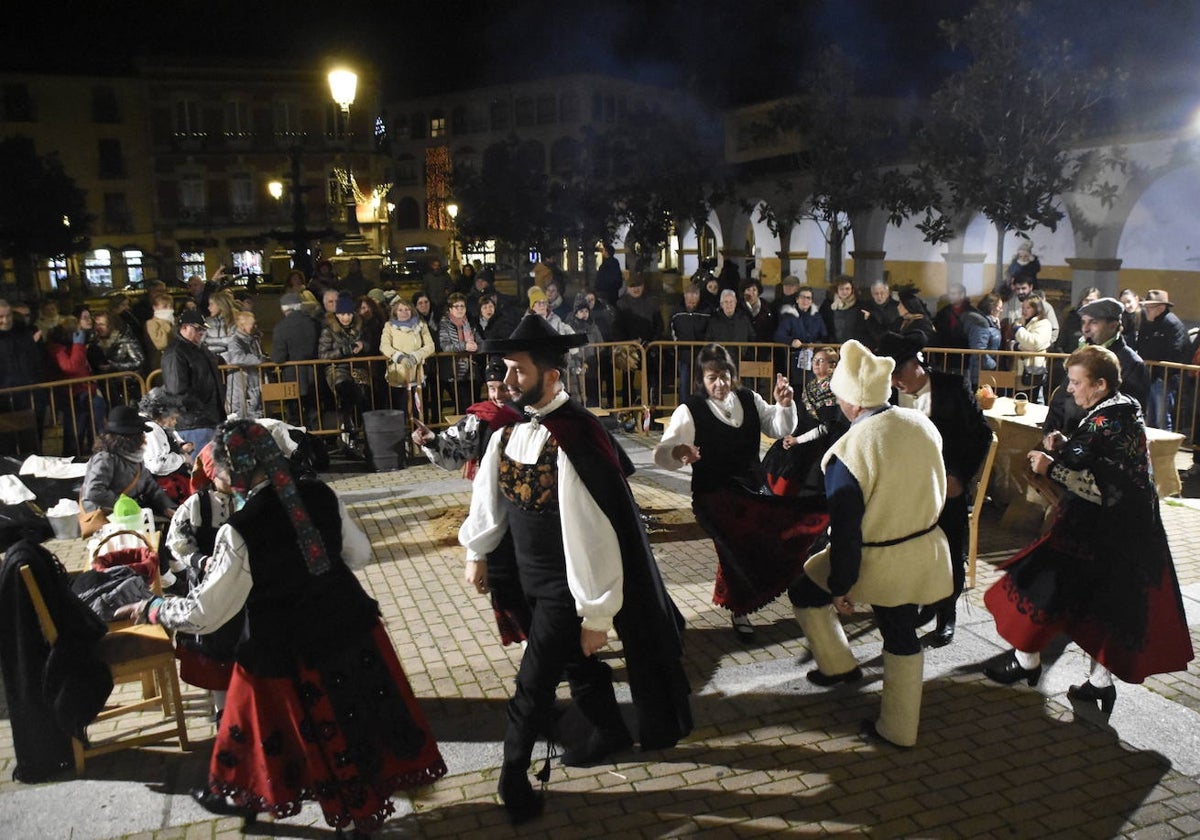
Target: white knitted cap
{"type": "Point", "coordinates": [862, 378]}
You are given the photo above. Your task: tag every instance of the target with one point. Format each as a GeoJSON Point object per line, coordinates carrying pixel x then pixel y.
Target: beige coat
{"type": "Point", "coordinates": [406, 350]}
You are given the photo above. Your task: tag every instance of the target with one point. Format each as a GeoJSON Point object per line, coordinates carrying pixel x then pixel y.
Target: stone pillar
{"type": "Point", "coordinates": [868, 266]}
{"type": "Point", "coordinates": [1101, 273]}
{"type": "Point", "coordinates": [966, 269]}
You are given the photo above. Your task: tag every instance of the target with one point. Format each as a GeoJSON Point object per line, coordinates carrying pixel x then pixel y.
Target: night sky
{"type": "Point", "coordinates": [726, 52]}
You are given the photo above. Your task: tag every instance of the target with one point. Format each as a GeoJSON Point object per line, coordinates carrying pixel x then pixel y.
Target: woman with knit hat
{"type": "Point", "coordinates": [313, 656]}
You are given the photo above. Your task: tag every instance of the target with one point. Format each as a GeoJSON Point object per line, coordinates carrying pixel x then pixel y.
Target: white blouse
{"type": "Point", "coordinates": [595, 575]}
{"type": "Point", "coordinates": [776, 421]}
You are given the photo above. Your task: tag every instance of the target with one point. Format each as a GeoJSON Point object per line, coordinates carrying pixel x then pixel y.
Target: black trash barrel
{"type": "Point", "coordinates": [386, 432]}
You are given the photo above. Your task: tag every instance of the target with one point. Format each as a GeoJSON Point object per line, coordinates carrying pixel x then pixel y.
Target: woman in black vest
{"type": "Point", "coordinates": [313, 654]}
{"type": "Point", "coordinates": [717, 431]}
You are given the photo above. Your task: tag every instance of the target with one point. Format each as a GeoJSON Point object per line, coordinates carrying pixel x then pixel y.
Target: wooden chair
{"type": "Point", "coordinates": [1000, 380]}
{"type": "Point", "coordinates": [138, 653]}
{"type": "Point", "coordinates": [985, 473]}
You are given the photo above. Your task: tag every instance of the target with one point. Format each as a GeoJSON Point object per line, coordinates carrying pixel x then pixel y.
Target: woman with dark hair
{"type": "Point", "coordinates": [1034, 334]}
{"type": "Point", "coordinates": [914, 318]}
{"type": "Point", "coordinates": [793, 463]}
{"type": "Point", "coordinates": [342, 338]}
{"type": "Point", "coordinates": [373, 317]}
{"type": "Point", "coordinates": [717, 432]}
{"type": "Point", "coordinates": [313, 657]}
{"type": "Point", "coordinates": [1103, 573]}
{"type": "Point", "coordinates": [116, 468]}
{"type": "Point", "coordinates": [457, 335]}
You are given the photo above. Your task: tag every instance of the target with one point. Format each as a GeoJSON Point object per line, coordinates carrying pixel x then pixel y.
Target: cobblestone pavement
{"type": "Point", "coordinates": [771, 754]}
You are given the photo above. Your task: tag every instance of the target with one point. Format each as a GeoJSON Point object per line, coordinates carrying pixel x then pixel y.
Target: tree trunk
{"type": "Point", "coordinates": [999, 257]}
{"type": "Point", "coordinates": [837, 238]}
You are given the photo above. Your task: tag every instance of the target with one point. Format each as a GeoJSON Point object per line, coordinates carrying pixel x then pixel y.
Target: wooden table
{"type": "Point", "coordinates": [1018, 434]}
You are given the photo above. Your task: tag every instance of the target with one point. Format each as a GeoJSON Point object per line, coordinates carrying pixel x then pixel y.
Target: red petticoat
{"type": "Point", "coordinates": [347, 736]}
{"type": "Point", "coordinates": [1167, 647]}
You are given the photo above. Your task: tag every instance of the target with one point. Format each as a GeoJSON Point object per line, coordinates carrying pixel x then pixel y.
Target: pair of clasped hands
{"type": "Point", "coordinates": [689, 453]}
{"type": "Point", "coordinates": [1041, 462]}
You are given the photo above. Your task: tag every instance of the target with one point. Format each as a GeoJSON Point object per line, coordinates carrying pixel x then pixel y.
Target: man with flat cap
{"type": "Point", "coordinates": [555, 485]}
{"type": "Point", "coordinates": [947, 400]}
{"type": "Point", "coordinates": [1100, 322]}
{"type": "Point", "coordinates": [886, 487]}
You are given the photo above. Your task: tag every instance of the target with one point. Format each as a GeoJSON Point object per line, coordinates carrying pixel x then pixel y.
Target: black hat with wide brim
{"type": "Point", "coordinates": [901, 348]}
{"type": "Point", "coordinates": [532, 334]}
{"type": "Point", "coordinates": [125, 420]}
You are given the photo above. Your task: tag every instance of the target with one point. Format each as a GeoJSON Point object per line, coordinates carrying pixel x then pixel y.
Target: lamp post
{"type": "Point", "coordinates": [343, 85]}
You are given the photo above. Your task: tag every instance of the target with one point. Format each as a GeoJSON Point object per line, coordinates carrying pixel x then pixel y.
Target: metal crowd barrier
{"type": "Point", "coordinates": [64, 416]}
{"type": "Point", "coordinates": [621, 378]}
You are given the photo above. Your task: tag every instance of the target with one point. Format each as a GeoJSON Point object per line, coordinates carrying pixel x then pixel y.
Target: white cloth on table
{"type": "Point", "coordinates": [46, 466]}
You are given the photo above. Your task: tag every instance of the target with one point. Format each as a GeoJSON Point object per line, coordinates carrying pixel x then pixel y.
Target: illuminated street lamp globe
{"type": "Point", "coordinates": [342, 85]}
{"type": "Point", "coordinates": [275, 188]}
{"type": "Point", "coordinates": [452, 210]}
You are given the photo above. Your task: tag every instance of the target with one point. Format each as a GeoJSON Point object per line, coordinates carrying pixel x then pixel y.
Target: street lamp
{"type": "Point", "coordinates": [275, 188]}
{"type": "Point", "coordinates": [343, 84]}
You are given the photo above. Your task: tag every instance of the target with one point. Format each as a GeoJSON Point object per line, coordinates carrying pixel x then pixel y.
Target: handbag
{"type": "Point", "coordinates": [91, 521]}
{"type": "Point", "coordinates": [1033, 375]}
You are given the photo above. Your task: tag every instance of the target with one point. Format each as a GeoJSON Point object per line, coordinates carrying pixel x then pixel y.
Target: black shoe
{"type": "Point", "coordinates": [870, 734]}
{"type": "Point", "coordinates": [942, 636]}
{"type": "Point", "coordinates": [1010, 672]}
{"type": "Point", "coordinates": [600, 744]}
{"type": "Point", "coordinates": [744, 630]}
{"type": "Point", "coordinates": [519, 798]}
{"type": "Point", "coordinates": [214, 803]}
{"type": "Point", "coordinates": [1089, 693]}
{"type": "Point", "coordinates": [818, 677]}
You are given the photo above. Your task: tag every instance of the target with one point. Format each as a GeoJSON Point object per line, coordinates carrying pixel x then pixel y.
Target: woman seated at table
{"type": "Point", "coordinates": [1103, 573]}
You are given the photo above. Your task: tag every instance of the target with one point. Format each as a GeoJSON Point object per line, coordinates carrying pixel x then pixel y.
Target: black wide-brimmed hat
{"type": "Point", "coordinates": [125, 420]}
{"type": "Point", "coordinates": [534, 333]}
{"type": "Point", "coordinates": [900, 347]}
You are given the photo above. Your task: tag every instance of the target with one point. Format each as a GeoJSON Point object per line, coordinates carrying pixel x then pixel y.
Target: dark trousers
{"type": "Point", "coordinates": [897, 625]}
{"type": "Point", "coordinates": [953, 522]}
{"type": "Point", "coordinates": [553, 651]}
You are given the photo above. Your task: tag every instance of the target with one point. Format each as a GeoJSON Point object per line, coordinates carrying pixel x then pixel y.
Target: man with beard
{"type": "Point", "coordinates": [584, 569]}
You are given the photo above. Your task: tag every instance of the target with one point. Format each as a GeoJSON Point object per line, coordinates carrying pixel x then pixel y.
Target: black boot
{"type": "Point", "coordinates": [943, 633]}
{"type": "Point", "coordinates": [598, 746]}
{"type": "Point", "coordinates": [517, 795]}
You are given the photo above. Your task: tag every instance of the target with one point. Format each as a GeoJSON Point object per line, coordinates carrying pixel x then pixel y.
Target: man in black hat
{"type": "Point", "coordinates": [554, 485]}
{"type": "Point", "coordinates": [947, 400]}
{"type": "Point", "coordinates": [192, 373]}
{"type": "Point", "coordinates": [1100, 323]}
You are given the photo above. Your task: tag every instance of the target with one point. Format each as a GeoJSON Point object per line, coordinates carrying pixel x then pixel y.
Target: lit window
{"type": "Point", "coordinates": [56, 270]}
{"type": "Point", "coordinates": [133, 267]}
{"type": "Point", "coordinates": [437, 126]}
{"type": "Point", "coordinates": [97, 269]}
{"type": "Point", "coordinates": [191, 262]}
{"type": "Point", "coordinates": [247, 262]}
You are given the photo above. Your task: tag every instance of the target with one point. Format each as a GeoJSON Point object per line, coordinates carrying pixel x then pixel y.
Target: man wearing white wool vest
{"type": "Point", "coordinates": [886, 485]}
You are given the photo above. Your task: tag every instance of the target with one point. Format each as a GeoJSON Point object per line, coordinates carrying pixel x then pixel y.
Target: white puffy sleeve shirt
{"type": "Point", "coordinates": [227, 581]}
{"type": "Point", "coordinates": [595, 575]}
{"type": "Point", "coordinates": [776, 421]}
